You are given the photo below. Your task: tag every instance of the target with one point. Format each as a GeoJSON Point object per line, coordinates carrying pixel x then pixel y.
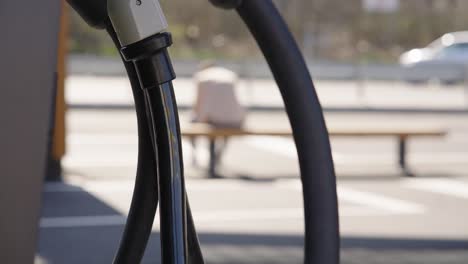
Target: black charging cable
{"type": "Point", "coordinates": [155, 163]}
{"type": "Point", "coordinates": [155, 74]}
{"type": "Point", "coordinates": [145, 194]}
{"type": "Point", "coordinates": [322, 240]}
{"type": "Point", "coordinates": [150, 67]}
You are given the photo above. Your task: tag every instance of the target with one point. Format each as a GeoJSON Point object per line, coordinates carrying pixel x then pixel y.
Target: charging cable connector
{"type": "Point", "coordinates": [135, 20]}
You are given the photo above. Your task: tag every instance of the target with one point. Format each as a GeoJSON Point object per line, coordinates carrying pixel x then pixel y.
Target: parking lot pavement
{"type": "Point", "coordinates": [115, 91]}
{"type": "Point", "coordinates": [254, 213]}
{"type": "Point", "coordinates": [399, 220]}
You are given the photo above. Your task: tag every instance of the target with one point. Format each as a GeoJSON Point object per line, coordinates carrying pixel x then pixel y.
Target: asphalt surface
{"type": "Point", "coordinates": [88, 91]}
{"type": "Point", "coordinates": [253, 213]}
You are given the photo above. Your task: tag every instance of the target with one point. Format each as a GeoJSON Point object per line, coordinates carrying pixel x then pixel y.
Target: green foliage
{"type": "Point", "coordinates": [325, 29]}
{"type": "Point", "coordinates": [84, 39]}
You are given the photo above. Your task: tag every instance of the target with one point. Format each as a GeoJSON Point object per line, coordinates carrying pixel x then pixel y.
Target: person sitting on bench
{"type": "Point", "coordinates": [216, 103]}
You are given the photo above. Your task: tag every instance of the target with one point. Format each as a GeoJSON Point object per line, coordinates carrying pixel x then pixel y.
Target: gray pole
{"type": "Point", "coordinates": [27, 76]}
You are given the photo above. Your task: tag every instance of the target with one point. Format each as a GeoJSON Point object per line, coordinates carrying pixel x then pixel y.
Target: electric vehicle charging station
{"type": "Point", "coordinates": [139, 31]}
{"type": "Point", "coordinates": [28, 65]}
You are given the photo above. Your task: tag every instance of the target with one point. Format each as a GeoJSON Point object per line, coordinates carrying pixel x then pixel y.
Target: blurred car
{"type": "Point", "coordinates": [445, 60]}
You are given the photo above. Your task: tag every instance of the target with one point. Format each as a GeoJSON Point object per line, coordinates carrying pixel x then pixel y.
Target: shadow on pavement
{"type": "Point", "coordinates": [71, 241]}
{"type": "Point", "coordinates": [355, 177]}
{"type": "Point", "coordinates": [98, 245]}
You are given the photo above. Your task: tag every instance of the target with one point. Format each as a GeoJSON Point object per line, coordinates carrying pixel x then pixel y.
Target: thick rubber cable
{"type": "Point", "coordinates": [145, 194]}
{"type": "Point", "coordinates": [172, 197]}
{"type": "Point", "coordinates": [308, 125]}
{"type": "Point", "coordinates": [195, 255]}
{"type": "Point", "coordinates": [194, 250]}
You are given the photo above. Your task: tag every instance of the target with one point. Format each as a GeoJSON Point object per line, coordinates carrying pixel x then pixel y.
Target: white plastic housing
{"type": "Point", "coordinates": [134, 20]}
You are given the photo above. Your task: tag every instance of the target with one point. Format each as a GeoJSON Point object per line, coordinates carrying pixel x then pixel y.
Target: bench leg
{"type": "Point", "coordinates": [402, 149]}
{"type": "Point", "coordinates": [213, 159]}
{"type": "Point", "coordinates": [193, 142]}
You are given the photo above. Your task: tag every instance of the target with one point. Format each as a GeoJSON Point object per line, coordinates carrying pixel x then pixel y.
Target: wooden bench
{"type": "Point", "coordinates": [213, 134]}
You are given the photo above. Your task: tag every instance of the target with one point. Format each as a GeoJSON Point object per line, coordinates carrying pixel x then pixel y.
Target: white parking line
{"type": "Point", "coordinates": [379, 202]}
{"type": "Point", "coordinates": [285, 147]}
{"type": "Point", "coordinates": [447, 187]}
{"type": "Point", "coordinates": [127, 186]}
{"type": "Point", "coordinates": [279, 146]}
{"type": "Point", "coordinates": [100, 160]}
{"type": "Point", "coordinates": [102, 139]}
{"type": "Point", "coordinates": [364, 203]}
{"type": "Point", "coordinates": [214, 216]}
{"type": "Point", "coordinates": [82, 221]}
{"type": "Point", "coordinates": [345, 194]}
{"type": "Point", "coordinates": [128, 158]}
{"type": "Point", "coordinates": [371, 200]}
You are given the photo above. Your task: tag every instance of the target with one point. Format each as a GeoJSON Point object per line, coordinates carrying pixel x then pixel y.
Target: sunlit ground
{"type": "Point", "coordinates": [253, 214]}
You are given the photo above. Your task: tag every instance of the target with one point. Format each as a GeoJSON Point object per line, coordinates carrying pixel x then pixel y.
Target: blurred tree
{"type": "Point", "coordinates": [325, 29]}
{"type": "Point", "coordinates": [84, 39]}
